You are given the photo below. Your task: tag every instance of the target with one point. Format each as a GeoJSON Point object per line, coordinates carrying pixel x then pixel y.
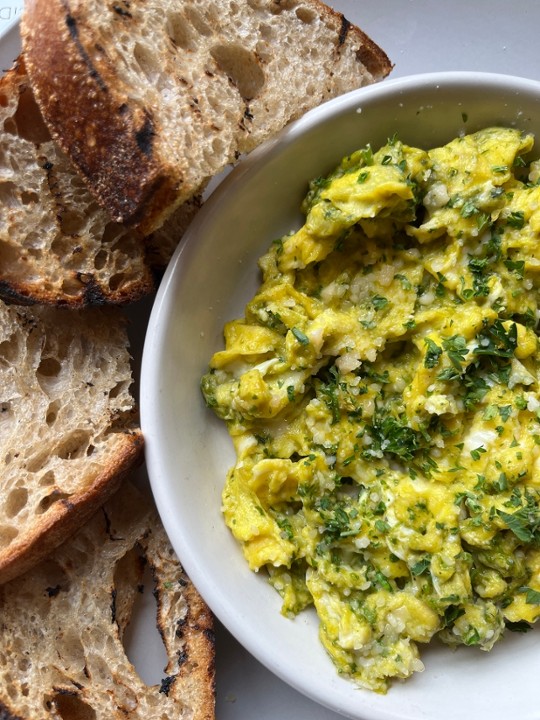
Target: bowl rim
{"type": "Point", "coordinates": [149, 379]}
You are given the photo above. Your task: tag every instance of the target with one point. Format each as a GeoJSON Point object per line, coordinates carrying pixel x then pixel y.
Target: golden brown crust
{"type": "Point", "coordinates": [199, 668]}
{"type": "Point", "coordinates": [91, 296]}
{"type": "Point", "coordinates": [116, 139]}
{"type": "Point", "coordinates": [82, 259]}
{"type": "Point", "coordinates": [107, 135]}
{"type": "Point", "coordinates": [190, 643]}
{"type": "Point", "coordinates": [60, 522]}
{"type": "Point", "coordinates": [370, 54]}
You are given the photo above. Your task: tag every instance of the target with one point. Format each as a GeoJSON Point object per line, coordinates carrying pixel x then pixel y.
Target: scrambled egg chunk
{"type": "Point", "coordinates": [382, 394]}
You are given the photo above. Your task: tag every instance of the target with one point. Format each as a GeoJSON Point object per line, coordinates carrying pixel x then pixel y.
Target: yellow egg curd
{"type": "Point", "coordinates": [382, 395]}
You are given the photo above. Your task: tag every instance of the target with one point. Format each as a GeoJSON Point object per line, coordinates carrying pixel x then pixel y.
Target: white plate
{"type": "Point", "coordinates": [419, 36]}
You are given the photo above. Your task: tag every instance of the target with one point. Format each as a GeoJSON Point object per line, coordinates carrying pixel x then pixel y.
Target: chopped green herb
{"type": "Point", "coordinates": [379, 302]}
{"type": "Point", "coordinates": [516, 219]}
{"type": "Point", "coordinates": [421, 566]}
{"type": "Point", "coordinates": [517, 266]}
{"type": "Point", "coordinates": [433, 353]}
{"type": "Point", "coordinates": [299, 335]}
{"type": "Point", "coordinates": [532, 597]}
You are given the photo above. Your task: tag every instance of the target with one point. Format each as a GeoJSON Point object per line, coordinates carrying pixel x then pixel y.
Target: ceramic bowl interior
{"type": "Point", "coordinates": [212, 275]}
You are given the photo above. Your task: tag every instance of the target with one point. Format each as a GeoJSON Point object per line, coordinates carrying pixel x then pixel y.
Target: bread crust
{"type": "Point", "coordinates": [57, 246]}
{"type": "Point", "coordinates": [70, 425]}
{"type": "Point", "coordinates": [194, 667]}
{"type": "Point", "coordinates": [68, 515]}
{"type": "Point", "coordinates": [62, 651]}
{"type": "Point", "coordinates": [113, 136]}
{"type": "Point", "coordinates": [108, 136]}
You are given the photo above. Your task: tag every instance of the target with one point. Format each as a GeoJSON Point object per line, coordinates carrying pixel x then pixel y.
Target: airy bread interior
{"type": "Point", "coordinates": [57, 246]}
{"type": "Point", "coordinates": [68, 429]}
{"type": "Point", "coordinates": [61, 648]}
{"type": "Point", "coordinates": [151, 99]}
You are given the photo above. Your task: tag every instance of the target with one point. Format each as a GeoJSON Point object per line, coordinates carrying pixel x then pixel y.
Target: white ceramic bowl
{"type": "Point", "coordinates": [212, 275]}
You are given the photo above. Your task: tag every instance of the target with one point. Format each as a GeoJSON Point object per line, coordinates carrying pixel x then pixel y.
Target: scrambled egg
{"type": "Point", "coordinates": [382, 395]}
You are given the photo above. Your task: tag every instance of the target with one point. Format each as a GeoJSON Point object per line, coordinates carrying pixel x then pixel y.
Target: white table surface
{"type": "Point", "coordinates": [418, 36]}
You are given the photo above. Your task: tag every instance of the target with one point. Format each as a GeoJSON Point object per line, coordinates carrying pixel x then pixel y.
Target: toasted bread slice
{"type": "Point", "coordinates": [57, 245]}
{"type": "Point", "coordinates": [61, 649]}
{"type": "Point", "coordinates": [68, 428]}
{"type": "Point", "coordinates": [151, 98]}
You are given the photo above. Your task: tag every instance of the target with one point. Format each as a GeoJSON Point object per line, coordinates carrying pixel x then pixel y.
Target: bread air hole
{"type": "Point", "coordinates": [101, 259]}
{"type": "Point", "coordinates": [242, 67]}
{"type": "Point", "coordinates": [11, 257]}
{"type": "Point", "coordinates": [74, 446]}
{"type": "Point", "coordinates": [69, 645]}
{"type": "Point", "coordinates": [69, 706]}
{"type": "Point", "coordinates": [117, 390]}
{"type": "Point", "coordinates": [9, 351]}
{"type": "Point", "coordinates": [49, 367]}
{"type": "Point", "coordinates": [52, 412]}
{"type": "Point", "coordinates": [279, 6]}
{"type": "Point", "coordinates": [180, 32]}
{"type": "Point", "coordinates": [198, 21]}
{"type": "Point", "coordinates": [117, 281]}
{"type": "Point", "coordinates": [62, 247]}
{"type": "Point", "coordinates": [15, 502]}
{"type": "Point", "coordinates": [72, 286]}
{"type": "Point", "coordinates": [56, 580]}
{"type": "Point", "coordinates": [47, 479]}
{"type": "Point", "coordinates": [111, 232]}
{"type": "Point", "coordinates": [48, 372]}
{"type": "Point", "coordinates": [9, 195]}
{"type": "Point", "coordinates": [306, 15]}
{"type": "Point", "coordinates": [147, 61]}
{"type": "Point", "coordinates": [142, 641]}
{"type": "Point", "coordinates": [49, 500]}
{"type": "Point", "coordinates": [71, 222]}
{"type": "Point", "coordinates": [29, 197]}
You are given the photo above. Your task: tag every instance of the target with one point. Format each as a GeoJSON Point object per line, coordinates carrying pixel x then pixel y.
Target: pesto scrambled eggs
{"type": "Point", "coordinates": [382, 395]}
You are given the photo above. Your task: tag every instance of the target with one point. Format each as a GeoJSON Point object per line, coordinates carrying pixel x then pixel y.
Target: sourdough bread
{"type": "Point", "coordinates": [61, 649]}
{"type": "Point", "coordinates": [151, 98]}
{"type": "Point", "coordinates": [57, 245]}
{"type": "Point", "coordinates": [68, 429]}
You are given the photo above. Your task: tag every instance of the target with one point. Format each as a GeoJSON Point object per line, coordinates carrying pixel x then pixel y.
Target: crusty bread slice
{"type": "Point", "coordinates": [68, 424]}
{"type": "Point", "coordinates": [61, 650]}
{"type": "Point", "coordinates": [57, 246]}
{"type": "Point", "coordinates": [151, 98]}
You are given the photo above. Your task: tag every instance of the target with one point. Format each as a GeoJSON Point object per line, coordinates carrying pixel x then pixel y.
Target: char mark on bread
{"type": "Point", "coordinates": [105, 131]}
{"type": "Point", "coordinates": [93, 294]}
{"type": "Point", "coordinates": [10, 294]}
{"type": "Point", "coordinates": [194, 68]}
{"type": "Point", "coordinates": [345, 25]}
{"type": "Point", "coordinates": [57, 245]}
{"type": "Point", "coordinates": [63, 652]}
{"type": "Point", "coordinates": [71, 25]}
{"type": "Point", "coordinates": [145, 135]}
{"type": "Point", "coordinates": [122, 11]}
